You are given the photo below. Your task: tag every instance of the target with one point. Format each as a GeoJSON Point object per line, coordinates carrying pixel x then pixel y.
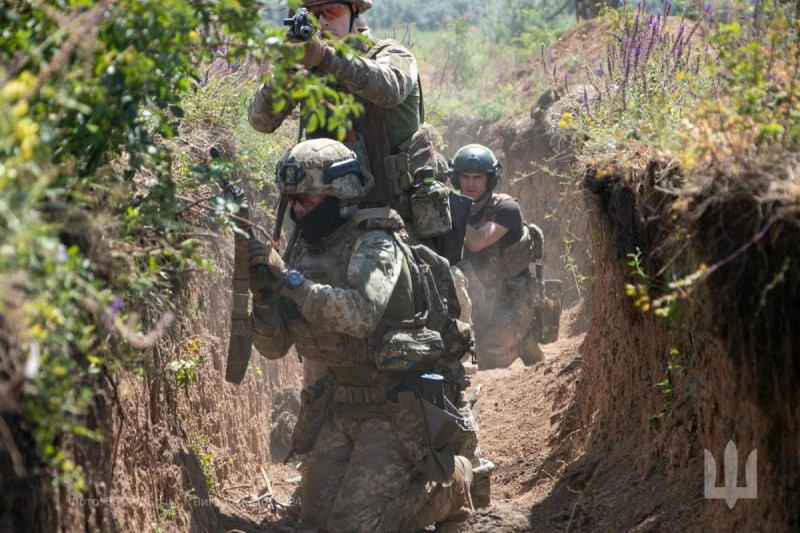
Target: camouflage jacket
{"type": "Point", "coordinates": [354, 278]}
{"type": "Point", "coordinates": [388, 80]}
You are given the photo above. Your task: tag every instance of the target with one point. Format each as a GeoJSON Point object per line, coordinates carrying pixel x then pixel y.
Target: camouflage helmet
{"type": "Point", "coordinates": [476, 158]}
{"type": "Point", "coordinates": [322, 166]}
{"type": "Point", "coordinates": [359, 6]}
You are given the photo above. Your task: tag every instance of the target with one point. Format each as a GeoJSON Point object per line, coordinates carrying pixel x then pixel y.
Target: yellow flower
{"type": "Point", "coordinates": [26, 128]}
{"type": "Point", "coordinates": [193, 35]}
{"type": "Point", "coordinates": [27, 78]}
{"type": "Point", "coordinates": [38, 331]}
{"type": "Point", "coordinates": [14, 90]}
{"type": "Point", "coordinates": [562, 124]}
{"type": "Point", "coordinates": [566, 116]}
{"type": "Point", "coordinates": [19, 87]}
{"type": "Point", "coordinates": [630, 290]}
{"type": "Point", "coordinates": [27, 149]}
{"type": "Point", "coordinates": [645, 307]}
{"type": "Point", "coordinates": [688, 160]}
{"type": "Point", "coordinates": [680, 76]}
{"type": "Point", "coordinates": [21, 109]}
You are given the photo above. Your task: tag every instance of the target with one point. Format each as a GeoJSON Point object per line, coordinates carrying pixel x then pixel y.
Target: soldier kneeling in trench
{"type": "Point", "coordinates": [379, 427]}
{"type": "Point", "coordinates": [511, 313]}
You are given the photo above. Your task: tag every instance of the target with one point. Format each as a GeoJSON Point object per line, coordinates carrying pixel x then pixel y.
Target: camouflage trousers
{"type": "Point", "coordinates": [357, 481]}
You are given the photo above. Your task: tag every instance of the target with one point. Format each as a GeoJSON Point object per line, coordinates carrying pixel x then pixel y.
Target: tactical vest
{"type": "Point", "coordinates": [393, 143]}
{"type": "Point", "coordinates": [494, 265]}
{"type": "Point", "coordinates": [327, 263]}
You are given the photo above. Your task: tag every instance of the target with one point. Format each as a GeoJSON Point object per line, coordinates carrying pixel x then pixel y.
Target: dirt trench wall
{"type": "Point", "coordinates": [170, 452]}
{"type": "Point", "coordinates": [736, 382]}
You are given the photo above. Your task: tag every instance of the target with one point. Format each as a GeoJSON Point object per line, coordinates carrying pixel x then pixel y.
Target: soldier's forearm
{"type": "Point", "coordinates": [385, 82]}
{"type": "Point", "coordinates": [341, 310]}
{"type": "Point", "coordinates": [261, 111]}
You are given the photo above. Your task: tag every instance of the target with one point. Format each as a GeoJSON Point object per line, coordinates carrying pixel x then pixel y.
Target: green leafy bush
{"type": "Point", "coordinates": [96, 193]}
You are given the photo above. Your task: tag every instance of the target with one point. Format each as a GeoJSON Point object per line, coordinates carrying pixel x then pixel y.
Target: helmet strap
{"type": "Point", "coordinates": [353, 17]}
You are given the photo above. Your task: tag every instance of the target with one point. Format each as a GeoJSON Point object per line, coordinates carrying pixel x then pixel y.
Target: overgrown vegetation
{"type": "Point", "coordinates": [471, 61]}
{"type": "Point", "coordinates": [99, 195]}
{"type": "Point", "coordinates": [689, 118]}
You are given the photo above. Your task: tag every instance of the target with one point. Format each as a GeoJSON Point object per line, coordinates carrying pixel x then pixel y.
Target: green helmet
{"type": "Point", "coordinates": [359, 6]}
{"type": "Point", "coordinates": [323, 166]}
{"type": "Point", "coordinates": [476, 158]}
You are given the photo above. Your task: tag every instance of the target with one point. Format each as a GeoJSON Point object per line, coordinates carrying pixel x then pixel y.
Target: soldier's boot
{"type": "Point", "coordinates": [496, 348]}
{"type": "Point", "coordinates": [461, 507]}
{"type": "Point", "coordinates": [482, 484]}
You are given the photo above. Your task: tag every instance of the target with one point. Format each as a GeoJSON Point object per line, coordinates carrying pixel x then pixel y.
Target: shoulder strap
{"type": "Point", "coordinates": [381, 45]}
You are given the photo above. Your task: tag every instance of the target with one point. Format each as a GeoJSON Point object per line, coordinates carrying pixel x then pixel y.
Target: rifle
{"type": "Point", "coordinates": [241, 341]}
{"type": "Point", "coordinates": [300, 26]}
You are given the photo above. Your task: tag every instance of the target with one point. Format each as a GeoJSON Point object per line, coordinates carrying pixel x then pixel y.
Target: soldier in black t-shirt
{"type": "Point", "coordinates": [498, 252]}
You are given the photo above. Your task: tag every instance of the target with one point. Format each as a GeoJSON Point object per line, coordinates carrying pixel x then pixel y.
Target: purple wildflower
{"type": "Point", "coordinates": [677, 45]}
{"type": "Point", "coordinates": [691, 33]}
{"type": "Point", "coordinates": [116, 306]}
{"type": "Point", "coordinates": [636, 55]}
{"type": "Point", "coordinates": [586, 103]}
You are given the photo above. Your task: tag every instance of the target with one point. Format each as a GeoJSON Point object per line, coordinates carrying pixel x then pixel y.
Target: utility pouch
{"type": "Point", "coordinates": [516, 258]}
{"type": "Point", "coordinates": [459, 340]}
{"type": "Point", "coordinates": [451, 244]}
{"type": "Point", "coordinates": [537, 242]}
{"type": "Point", "coordinates": [315, 403]}
{"type": "Point", "coordinates": [547, 316]}
{"type": "Point", "coordinates": [396, 170]}
{"type": "Point", "coordinates": [409, 349]}
{"type": "Point", "coordinates": [430, 206]}
{"type": "Point", "coordinates": [423, 431]}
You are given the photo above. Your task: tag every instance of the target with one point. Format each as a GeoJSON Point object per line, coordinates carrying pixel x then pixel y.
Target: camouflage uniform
{"type": "Point", "coordinates": [385, 80]}
{"type": "Point", "coordinates": [356, 280]}
{"type": "Point", "coordinates": [503, 294]}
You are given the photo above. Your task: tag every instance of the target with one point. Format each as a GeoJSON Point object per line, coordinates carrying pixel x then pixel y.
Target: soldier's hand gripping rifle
{"type": "Point", "coordinates": [241, 342]}
{"type": "Point", "coordinates": [300, 26]}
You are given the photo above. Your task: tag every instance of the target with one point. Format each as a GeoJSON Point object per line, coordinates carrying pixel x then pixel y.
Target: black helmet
{"type": "Point", "coordinates": [477, 158]}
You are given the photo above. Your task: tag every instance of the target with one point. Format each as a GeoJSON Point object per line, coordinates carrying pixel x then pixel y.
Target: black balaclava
{"type": "Point", "coordinates": [320, 221]}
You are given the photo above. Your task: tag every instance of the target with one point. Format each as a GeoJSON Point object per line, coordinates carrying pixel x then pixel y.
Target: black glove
{"type": "Point", "coordinates": [266, 271]}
